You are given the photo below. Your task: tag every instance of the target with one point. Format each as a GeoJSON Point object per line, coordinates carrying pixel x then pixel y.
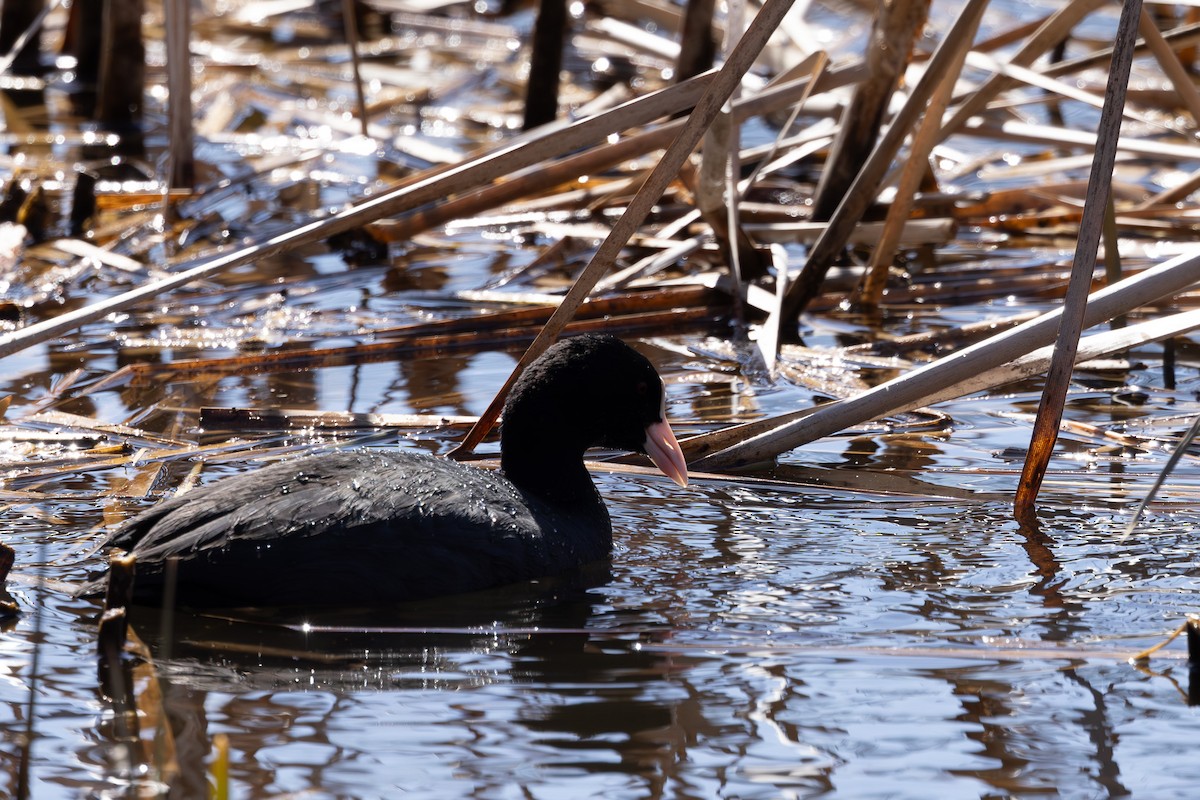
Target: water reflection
{"type": "Point", "coordinates": [524, 651]}
{"type": "Point", "coordinates": [745, 642]}
{"type": "Point", "coordinates": [432, 386]}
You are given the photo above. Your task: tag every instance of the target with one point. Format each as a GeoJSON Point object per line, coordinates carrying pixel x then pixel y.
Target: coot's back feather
{"type": "Point", "coordinates": [326, 523]}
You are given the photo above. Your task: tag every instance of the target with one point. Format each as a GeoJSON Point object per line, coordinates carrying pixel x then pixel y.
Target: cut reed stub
{"type": "Point", "coordinates": [110, 644]}
{"type": "Point", "coordinates": [121, 568]}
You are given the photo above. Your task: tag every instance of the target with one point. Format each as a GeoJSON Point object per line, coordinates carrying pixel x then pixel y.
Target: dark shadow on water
{"type": "Point", "coordinates": [538, 634]}
{"type": "Point", "coordinates": [1060, 624]}
{"type": "Point", "coordinates": [266, 646]}
{"type": "Point", "coordinates": [1101, 733]}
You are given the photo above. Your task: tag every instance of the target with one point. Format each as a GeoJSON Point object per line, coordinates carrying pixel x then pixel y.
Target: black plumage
{"type": "Point", "coordinates": [369, 526]}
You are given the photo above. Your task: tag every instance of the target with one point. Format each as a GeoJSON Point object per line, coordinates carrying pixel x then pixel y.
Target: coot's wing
{"type": "Point", "coordinates": [302, 497]}
{"type": "Point", "coordinates": [363, 526]}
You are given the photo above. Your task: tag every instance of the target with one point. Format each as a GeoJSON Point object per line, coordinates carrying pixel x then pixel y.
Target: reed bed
{"type": "Point", "coordinates": [969, 192]}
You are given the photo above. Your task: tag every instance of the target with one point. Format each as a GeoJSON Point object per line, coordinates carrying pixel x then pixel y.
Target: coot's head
{"type": "Point", "coordinates": [587, 391]}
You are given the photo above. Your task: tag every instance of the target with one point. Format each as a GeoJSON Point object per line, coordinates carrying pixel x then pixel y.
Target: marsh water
{"type": "Point", "coordinates": [864, 620]}
{"type": "Point", "coordinates": [777, 635]}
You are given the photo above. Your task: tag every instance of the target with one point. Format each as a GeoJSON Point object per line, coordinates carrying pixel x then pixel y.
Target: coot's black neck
{"type": "Point", "coordinates": [553, 472]}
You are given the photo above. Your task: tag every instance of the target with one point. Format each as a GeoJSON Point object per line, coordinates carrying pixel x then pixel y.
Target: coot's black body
{"type": "Point", "coordinates": [365, 527]}
{"type": "Point", "coordinates": [327, 529]}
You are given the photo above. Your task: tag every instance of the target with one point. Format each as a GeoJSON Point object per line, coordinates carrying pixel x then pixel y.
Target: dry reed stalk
{"type": "Point", "coordinates": [785, 94]}
{"type": "Point", "coordinates": [941, 339]}
{"type": "Point", "coordinates": [722, 87]}
{"type": "Point", "coordinates": [598, 193]}
{"type": "Point", "coordinates": [928, 133]}
{"type": "Point", "coordinates": [752, 443]}
{"type": "Point", "coordinates": [1064, 137]}
{"type": "Point", "coordinates": [20, 24]}
{"type": "Point", "coordinates": [1176, 455]}
{"type": "Point", "coordinates": [714, 188]}
{"type": "Point", "coordinates": [810, 69]}
{"type": "Point", "coordinates": [1045, 428]}
{"type": "Point", "coordinates": [698, 44]}
{"type": "Point", "coordinates": [602, 156]}
{"type": "Point", "coordinates": [147, 476]}
{"type": "Point", "coordinates": [894, 32]}
{"type": "Point", "coordinates": [908, 233]}
{"type": "Point", "coordinates": [635, 302]}
{"type": "Point", "coordinates": [181, 155]}
{"type": "Point", "coordinates": [1099, 345]}
{"type": "Point", "coordinates": [1030, 651]}
{"type": "Point", "coordinates": [531, 181]}
{"type": "Point", "coordinates": [1108, 437]}
{"type": "Point", "coordinates": [1170, 196]}
{"type": "Point", "coordinates": [213, 453]}
{"type": "Point", "coordinates": [769, 336]}
{"type": "Point", "coordinates": [545, 63]}
{"type": "Point", "coordinates": [604, 33]}
{"type": "Point", "coordinates": [350, 23]}
{"type": "Point", "coordinates": [1010, 36]}
{"type": "Point", "coordinates": [652, 264]}
{"type": "Point", "coordinates": [372, 352]}
{"type": "Point", "coordinates": [1177, 39]}
{"type": "Point", "coordinates": [1177, 74]}
{"type": "Point", "coordinates": [122, 79]}
{"type": "Point", "coordinates": [1056, 28]}
{"type": "Point", "coordinates": [863, 190]}
{"type": "Point", "coordinates": [1062, 88]}
{"type": "Point", "coordinates": [61, 420]}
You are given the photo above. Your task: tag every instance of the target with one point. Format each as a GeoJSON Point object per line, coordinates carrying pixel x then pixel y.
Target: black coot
{"type": "Point", "coordinates": [364, 527]}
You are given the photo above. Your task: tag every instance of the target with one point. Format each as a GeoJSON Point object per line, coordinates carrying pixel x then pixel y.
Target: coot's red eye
{"type": "Point", "coordinates": [642, 387]}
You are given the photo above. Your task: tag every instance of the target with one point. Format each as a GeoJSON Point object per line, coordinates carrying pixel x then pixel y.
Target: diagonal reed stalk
{"type": "Point", "coordinates": [752, 443]}
{"type": "Point", "coordinates": [863, 189]}
{"type": "Point", "coordinates": [1176, 455]}
{"type": "Point", "coordinates": [927, 135]}
{"type": "Point", "coordinates": [1045, 427]}
{"type": "Point", "coordinates": [727, 79]}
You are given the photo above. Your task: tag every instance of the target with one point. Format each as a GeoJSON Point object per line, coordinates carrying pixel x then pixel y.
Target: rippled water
{"type": "Point", "coordinates": [748, 641]}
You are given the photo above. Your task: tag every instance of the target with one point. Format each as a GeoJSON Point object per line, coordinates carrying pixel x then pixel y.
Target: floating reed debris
{"type": "Point", "coordinates": [905, 220]}
{"type": "Point", "coordinates": [1191, 626]}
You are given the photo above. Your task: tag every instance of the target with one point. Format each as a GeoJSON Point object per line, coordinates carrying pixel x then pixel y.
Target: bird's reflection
{"type": "Point", "coordinates": [230, 667]}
